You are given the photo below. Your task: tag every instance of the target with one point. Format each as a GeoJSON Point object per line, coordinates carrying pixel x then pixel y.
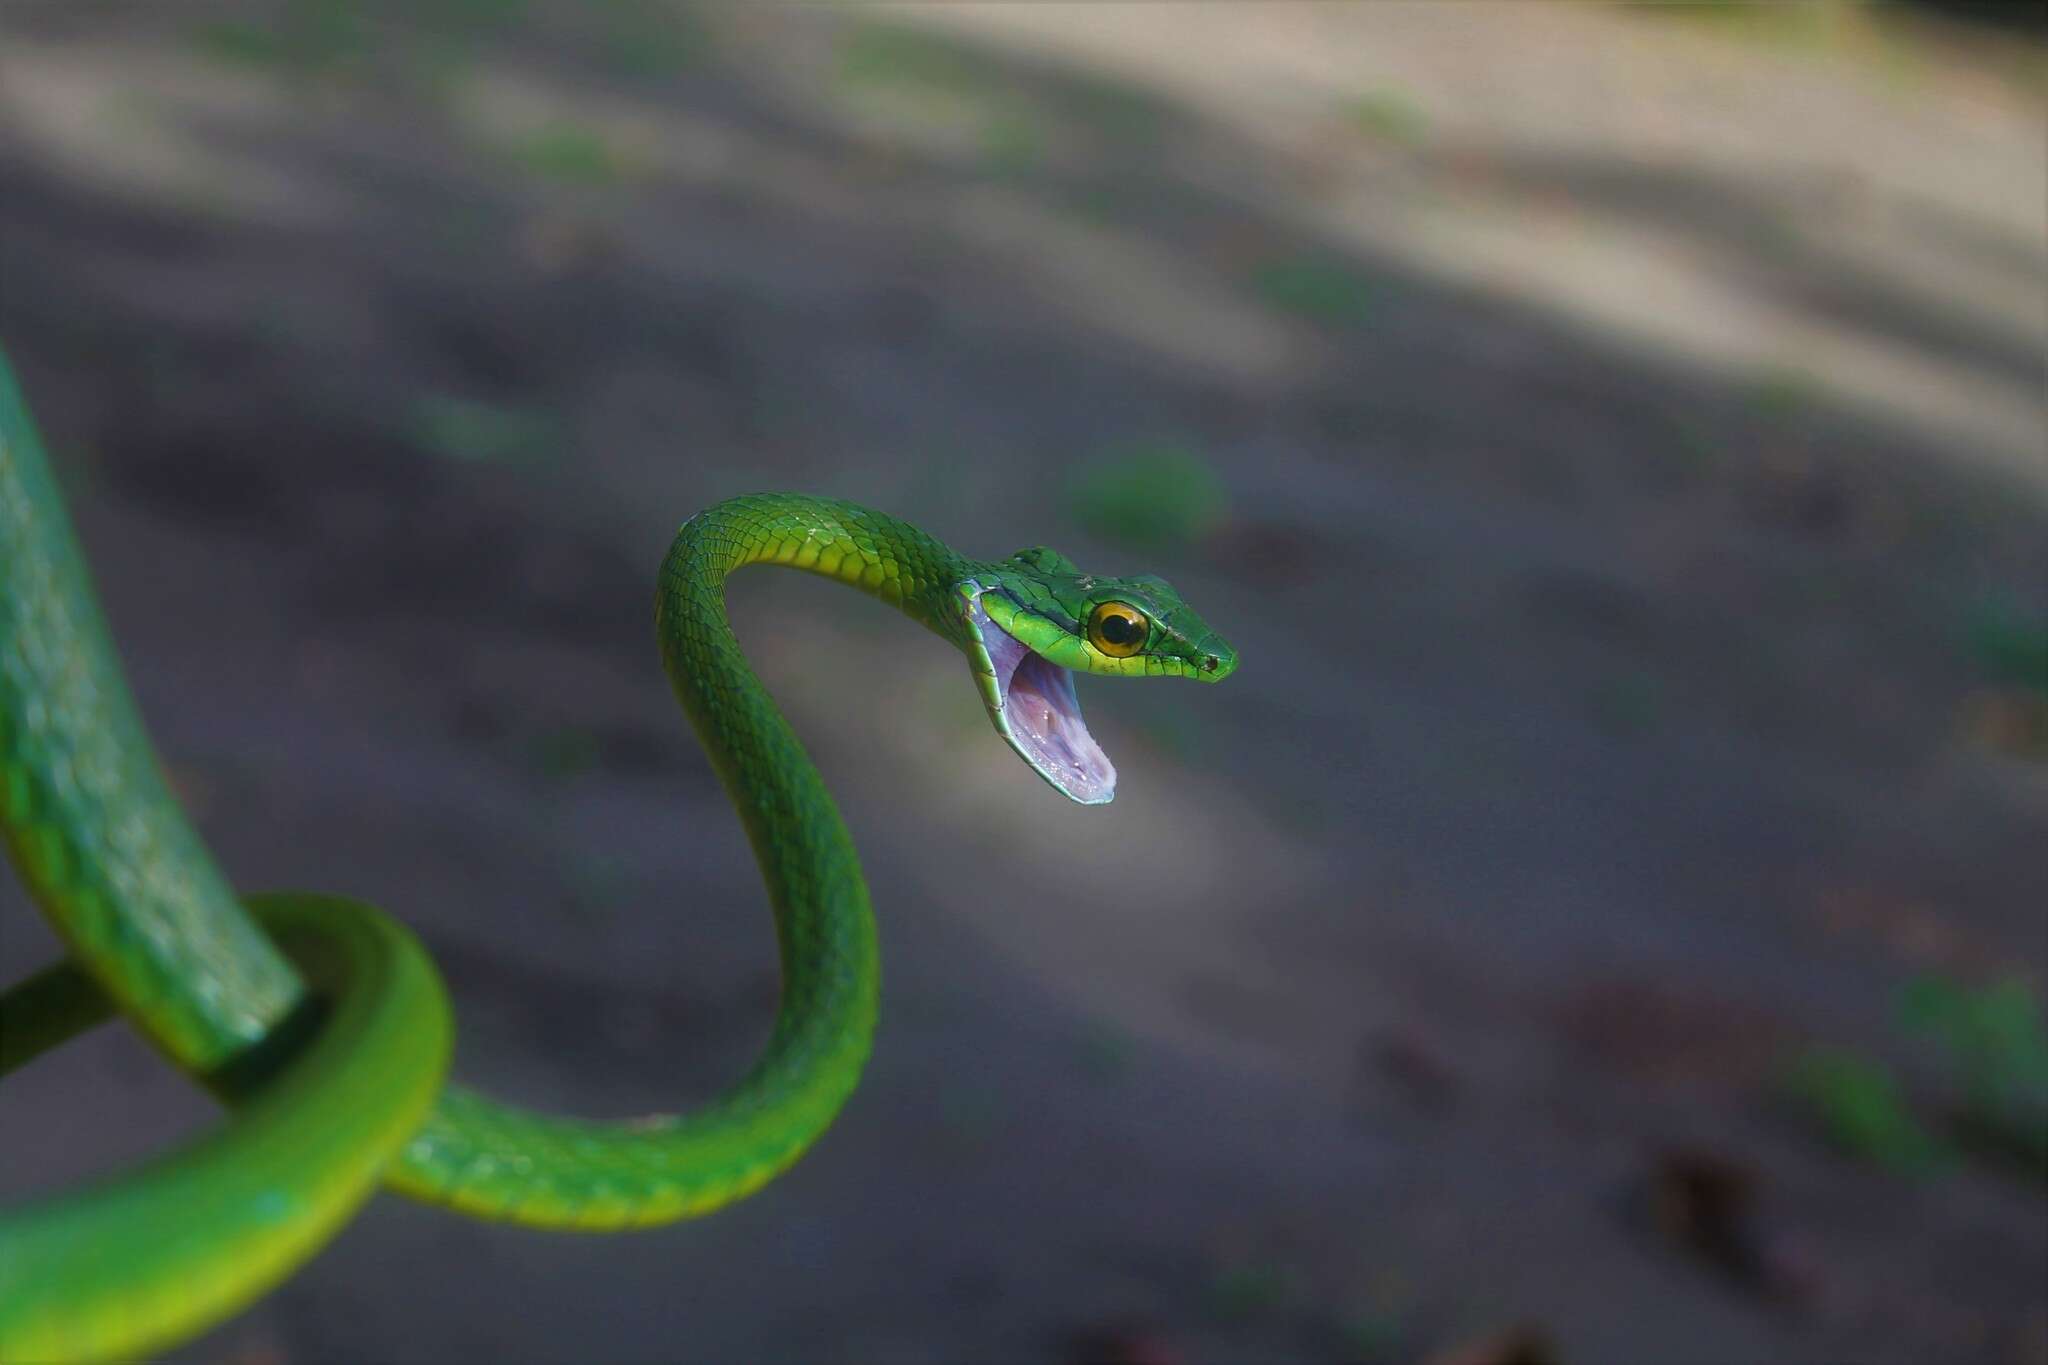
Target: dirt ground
{"type": "Point", "coordinates": [1627, 429]}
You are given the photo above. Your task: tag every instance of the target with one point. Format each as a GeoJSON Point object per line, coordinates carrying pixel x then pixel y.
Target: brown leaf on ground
{"type": "Point", "coordinates": [1709, 1205]}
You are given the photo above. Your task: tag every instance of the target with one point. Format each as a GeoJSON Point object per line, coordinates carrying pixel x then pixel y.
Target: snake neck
{"type": "Point", "coordinates": [843, 541]}
{"type": "Point", "coordinates": [805, 854]}
{"type": "Point", "coordinates": [790, 818]}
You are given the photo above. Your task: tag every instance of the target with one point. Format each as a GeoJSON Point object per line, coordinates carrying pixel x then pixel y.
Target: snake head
{"type": "Point", "coordinates": [1034, 620]}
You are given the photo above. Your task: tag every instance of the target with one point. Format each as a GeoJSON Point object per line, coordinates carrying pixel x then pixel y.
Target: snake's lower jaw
{"type": "Point", "coordinates": [1036, 712]}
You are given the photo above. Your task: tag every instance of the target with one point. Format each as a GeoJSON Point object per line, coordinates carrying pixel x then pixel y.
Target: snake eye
{"type": "Point", "coordinates": [1117, 630]}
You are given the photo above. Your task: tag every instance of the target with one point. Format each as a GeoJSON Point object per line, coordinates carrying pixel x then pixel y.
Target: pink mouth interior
{"type": "Point", "coordinates": [1042, 718]}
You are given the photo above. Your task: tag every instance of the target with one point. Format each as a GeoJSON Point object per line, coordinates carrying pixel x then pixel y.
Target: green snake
{"type": "Point", "coordinates": [321, 1023]}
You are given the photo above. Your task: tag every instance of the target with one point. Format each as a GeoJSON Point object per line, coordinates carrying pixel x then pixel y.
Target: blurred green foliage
{"type": "Point", "coordinates": [1800, 23]}
{"type": "Point", "coordinates": [1996, 1041]}
{"type": "Point", "coordinates": [1156, 495]}
{"type": "Point", "coordinates": [1249, 1289]}
{"type": "Point", "coordinates": [471, 430]}
{"type": "Point", "coordinates": [886, 54]}
{"type": "Point", "coordinates": [470, 16]}
{"type": "Point", "coordinates": [649, 37]}
{"type": "Point", "coordinates": [1996, 1045]}
{"type": "Point", "coordinates": [938, 84]}
{"type": "Point", "coordinates": [302, 36]}
{"type": "Point", "coordinates": [241, 43]}
{"type": "Point", "coordinates": [1784, 392]}
{"type": "Point", "coordinates": [1012, 143]}
{"type": "Point", "coordinates": [2011, 644]}
{"type": "Point", "coordinates": [568, 152]}
{"type": "Point", "coordinates": [1862, 1111]}
{"type": "Point", "coordinates": [1386, 115]}
{"type": "Point", "coordinates": [430, 40]}
{"type": "Point", "coordinates": [1320, 290]}
{"type": "Point", "coordinates": [1370, 1335]}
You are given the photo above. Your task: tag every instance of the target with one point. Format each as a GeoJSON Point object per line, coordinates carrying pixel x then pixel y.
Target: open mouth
{"type": "Point", "coordinates": [1035, 709]}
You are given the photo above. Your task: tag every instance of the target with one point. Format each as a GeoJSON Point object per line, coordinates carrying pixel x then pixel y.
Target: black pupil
{"type": "Point", "coordinates": [1119, 630]}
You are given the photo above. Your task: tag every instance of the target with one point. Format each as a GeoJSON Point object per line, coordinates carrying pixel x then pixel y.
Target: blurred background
{"type": "Point", "coordinates": [1602, 920]}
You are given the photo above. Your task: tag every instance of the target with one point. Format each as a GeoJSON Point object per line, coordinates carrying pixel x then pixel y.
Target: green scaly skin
{"type": "Point", "coordinates": [155, 932]}
{"type": "Point", "coordinates": [167, 1250]}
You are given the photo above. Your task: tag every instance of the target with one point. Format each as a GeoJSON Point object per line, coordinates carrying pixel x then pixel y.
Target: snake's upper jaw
{"type": "Point", "coordinates": [1032, 703]}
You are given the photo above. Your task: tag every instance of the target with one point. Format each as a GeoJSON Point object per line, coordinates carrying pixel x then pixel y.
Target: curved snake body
{"type": "Point", "coordinates": [322, 1024]}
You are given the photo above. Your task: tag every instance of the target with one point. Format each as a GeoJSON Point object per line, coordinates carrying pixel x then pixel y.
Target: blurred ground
{"type": "Point", "coordinates": [1628, 433]}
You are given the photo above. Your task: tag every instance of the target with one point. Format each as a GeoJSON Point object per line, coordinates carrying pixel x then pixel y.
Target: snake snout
{"type": "Point", "coordinates": [1215, 662]}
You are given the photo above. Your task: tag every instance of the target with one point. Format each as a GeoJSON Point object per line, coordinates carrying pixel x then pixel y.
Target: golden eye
{"type": "Point", "coordinates": [1117, 630]}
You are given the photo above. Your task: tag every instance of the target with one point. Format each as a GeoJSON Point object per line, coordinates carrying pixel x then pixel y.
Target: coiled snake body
{"type": "Point", "coordinates": [322, 1023]}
